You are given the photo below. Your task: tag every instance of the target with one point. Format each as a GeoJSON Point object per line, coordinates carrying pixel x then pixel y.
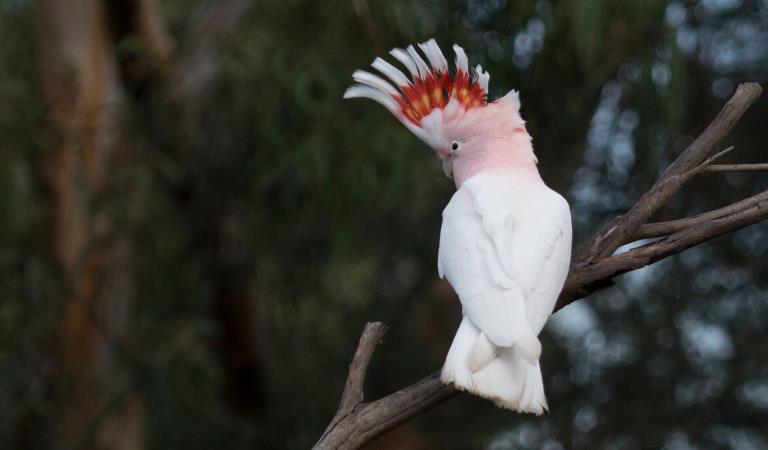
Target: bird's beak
{"type": "Point", "coordinates": [447, 167]}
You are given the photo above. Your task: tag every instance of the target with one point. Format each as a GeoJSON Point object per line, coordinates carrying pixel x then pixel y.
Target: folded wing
{"type": "Point", "coordinates": [507, 259]}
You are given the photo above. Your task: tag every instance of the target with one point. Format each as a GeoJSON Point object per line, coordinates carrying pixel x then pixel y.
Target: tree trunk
{"type": "Point", "coordinates": [80, 84]}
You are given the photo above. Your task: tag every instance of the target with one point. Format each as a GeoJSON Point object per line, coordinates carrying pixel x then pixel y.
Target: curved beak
{"type": "Point", "coordinates": [447, 167]}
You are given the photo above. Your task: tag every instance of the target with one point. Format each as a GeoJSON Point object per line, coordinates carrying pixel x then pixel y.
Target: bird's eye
{"type": "Point", "coordinates": [455, 145]}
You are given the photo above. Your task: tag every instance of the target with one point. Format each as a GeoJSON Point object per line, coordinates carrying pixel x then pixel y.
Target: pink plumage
{"type": "Point", "coordinates": [505, 241]}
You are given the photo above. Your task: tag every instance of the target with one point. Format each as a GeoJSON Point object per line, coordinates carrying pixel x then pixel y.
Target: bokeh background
{"type": "Point", "coordinates": [195, 227]}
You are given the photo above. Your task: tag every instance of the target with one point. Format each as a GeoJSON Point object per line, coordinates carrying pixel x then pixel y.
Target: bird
{"type": "Point", "coordinates": [505, 239]}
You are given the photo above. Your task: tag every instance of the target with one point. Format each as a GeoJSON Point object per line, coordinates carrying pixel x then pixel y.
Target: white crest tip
{"type": "Point", "coordinates": [374, 81]}
{"type": "Point", "coordinates": [392, 72]}
{"type": "Point", "coordinates": [421, 65]}
{"type": "Point", "coordinates": [434, 55]}
{"type": "Point", "coordinates": [482, 78]}
{"type": "Point", "coordinates": [462, 62]}
{"type": "Point", "coordinates": [405, 59]}
{"type": "Point", "coordinates": [362, 91]}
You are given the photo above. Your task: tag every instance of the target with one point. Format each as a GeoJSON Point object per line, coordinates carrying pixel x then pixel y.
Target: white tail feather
{"type": "Point", "coordinates": [483, 352]}
{"type": "Point", "coordinates": [509, 380]}
{"type": "Point", "coordinates": [529, 347]}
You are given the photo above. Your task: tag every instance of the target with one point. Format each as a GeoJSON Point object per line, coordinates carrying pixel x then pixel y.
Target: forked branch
{"type": "Point", "coordinates": [356, 422]}
{"type": "Point", "coordinates": [353, 390]}
{"type": "Point", "coordinates": [621, 229]}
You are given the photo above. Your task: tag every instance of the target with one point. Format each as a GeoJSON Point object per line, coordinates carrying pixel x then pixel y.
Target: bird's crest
{"type": "Point", "coordinates": [430, 85]}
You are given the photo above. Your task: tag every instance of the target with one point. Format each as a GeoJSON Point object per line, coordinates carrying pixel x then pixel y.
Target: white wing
{"type": "Point", "coordinates": [539, 254]}
{"type": "Point", "coordinates": [505, 249]}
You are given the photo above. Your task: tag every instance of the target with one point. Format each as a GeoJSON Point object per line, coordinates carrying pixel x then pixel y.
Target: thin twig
{"type": "Point", "coordinates": [736, 167]}
{"type": "Point", "coordinates": [658, 229]}
{"type": "Point", "coordinates": [707, 163]}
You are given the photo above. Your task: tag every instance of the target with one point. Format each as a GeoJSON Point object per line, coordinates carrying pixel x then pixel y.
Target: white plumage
{"type": "Point", "coordinates": [505, 244]}
{"type": "Point", "coordinates": [505, 247]}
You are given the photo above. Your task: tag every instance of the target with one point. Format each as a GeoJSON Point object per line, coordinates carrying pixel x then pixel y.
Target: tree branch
{"type": "Point", "coordinates": [366, 420]}
{"type": "Point", "coordinates": [736, 167]}
{"type": "Point", "coordinates": [584, 279]}
{"type": "Point", "coordinates": [353, 391]}
{"type": "Point", "coordinates": [352, 396]}
{"type": "Point", "coordinates": [617, 231]}
{"type": "Point", "coordinates": [592, 269]}
{"type": "Point", "coordinates": [658, 229]}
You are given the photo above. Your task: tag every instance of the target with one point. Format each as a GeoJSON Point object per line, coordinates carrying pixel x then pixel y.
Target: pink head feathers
{"type": "Point", "coordinates": [450, 111]}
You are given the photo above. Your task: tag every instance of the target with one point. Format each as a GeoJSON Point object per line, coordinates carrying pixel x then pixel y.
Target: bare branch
{"type": "Point", "coordinates": [352, 396]}
{"type": "Point", "coordinates": [353, 391]}
{"type": "Point", "coordinates": [587, 278]}
{"type": "Point", "coordinates": [706, 163]}
{"type": "Point", "coordinates": [619, 230]}
{"type": "Point", "coordinates": [592, 269]}
{"type": "Point", "coordinates": [658, 229]}
{"type": "Point", "coordinates": [369, 420]}
{"type": "Point", "coordinates": [736, 167]}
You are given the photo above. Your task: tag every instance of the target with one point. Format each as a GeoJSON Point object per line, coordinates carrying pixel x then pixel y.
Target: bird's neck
{"type": "Point", "coordinates": [513, 154]}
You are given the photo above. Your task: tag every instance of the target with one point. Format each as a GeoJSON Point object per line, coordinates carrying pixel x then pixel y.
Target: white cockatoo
{"type": "Point", "coordinates": [505, 243]}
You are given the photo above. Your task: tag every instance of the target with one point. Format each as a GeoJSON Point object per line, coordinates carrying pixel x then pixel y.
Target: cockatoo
{"type": "Point", "coordinates": [505, 242]}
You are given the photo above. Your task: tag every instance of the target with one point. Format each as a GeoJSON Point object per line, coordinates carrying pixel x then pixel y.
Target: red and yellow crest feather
{"type": "Point", "coordinates": [429, 86]}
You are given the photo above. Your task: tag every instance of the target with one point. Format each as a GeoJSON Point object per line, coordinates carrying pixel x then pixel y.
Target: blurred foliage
{"type": "Point", "coordinates": [340, 207]}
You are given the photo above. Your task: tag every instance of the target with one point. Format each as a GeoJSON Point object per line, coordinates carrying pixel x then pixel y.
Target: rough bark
{"type": "Point", "coordinates": [80, 86]}
{"type": "Point", "coordinates": [95, 56]}
{"type": "Point", "coordinates": [82, 76]}
{"type": "Point", "coordinates": [358, 422]}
